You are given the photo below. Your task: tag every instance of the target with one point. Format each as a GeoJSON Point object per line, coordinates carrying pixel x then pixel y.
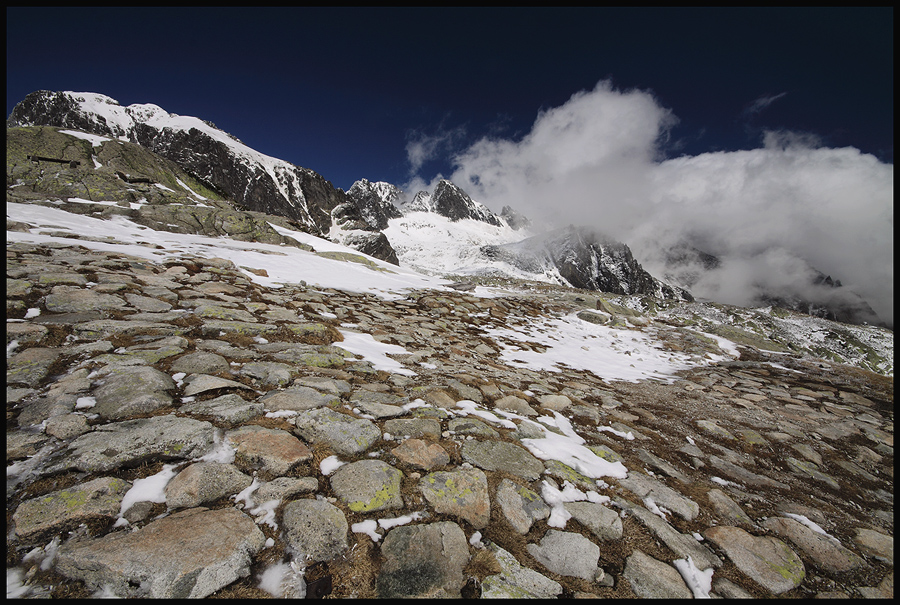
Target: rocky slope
{"type": "Point", "coordinates": [177, 429]}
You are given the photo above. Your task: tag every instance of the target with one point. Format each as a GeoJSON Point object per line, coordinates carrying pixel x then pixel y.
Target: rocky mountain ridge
{"type": "Point", "coordinates": [258, 183]}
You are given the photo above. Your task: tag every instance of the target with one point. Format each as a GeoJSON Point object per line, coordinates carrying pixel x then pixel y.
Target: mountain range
{"type": "Point", "coordinates": [442, 232]}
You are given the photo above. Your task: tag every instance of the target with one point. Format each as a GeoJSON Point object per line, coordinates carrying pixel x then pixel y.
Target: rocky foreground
{"type": "Point", "coordinates": [284, 464]}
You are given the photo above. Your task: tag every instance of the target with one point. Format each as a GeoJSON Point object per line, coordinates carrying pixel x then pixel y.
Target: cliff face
{"type": "Point", "coordinates": [587, 260]}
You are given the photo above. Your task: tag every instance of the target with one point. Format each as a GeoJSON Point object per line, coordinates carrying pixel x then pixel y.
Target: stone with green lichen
{"type": "Point", "coordinates": [212, 327]}
{"type": "Point", "coordinates": [323, 356]}
{"type": "Point", "coordinates": [809, 469]}
{"type": "Point", "coordinates": [768, 561]}
{"type": "Point", "coordinates": [95, 500]}
{"type": "Point", "coordinates": [605, 453]}
{"type": "Point", "coordinates": [520, 505]}
{"type": "Point", "coordinates": [517, 582]}
{"type": "Point", "coordinates": [564, 472]}
{"type": "Point", "coordinates": [752, 437]}
{"type": "Point", "coordinates": [315, 333]}
{"type": "Point", "coordinates": [130, 442]}
{"type": "Point", "coordinates": [30, 366]}
{"type": "Point", "coordinates": [368, 486]}
{"type": "Point", "coordinates": [463, 493]}
{"type": "Point", "coordinates": [104, 328]}
{"type": "Point", "coordinates": [345, 434]}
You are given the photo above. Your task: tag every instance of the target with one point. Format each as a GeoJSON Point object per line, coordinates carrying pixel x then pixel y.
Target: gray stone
{"type": "Point", "coordinates": [204, 482]}
{"type": "Point", "coordinates": [230, 409]}
{"type": "Point", "coordinates": [127, 391]}
{"type": "Point", "coordinates": [423, 561]}
{"type": "Point", "coordinates": [66, 426]}
{"type": "Point", "coordinates": [421, 454]}
{"type": "Point", "coordinates": [517, 582]}
{"type": "Point", "coordinates": [323, 384]}
{"type": "Point", "coordinates": [644, 487]}
{"type": "Point", "coordinates": [342, 433]}
{"type": "Point", "coordinates": [568, 554]}
{"type": "Point", "coordinates": [825, 552]}
{"type": "Point", "coordinates": [768, 561]}
{"type": "Point", "coordinates": [130, 442]}
{"type": "Point", "coordinates": [268, 372]}
{"type": "Point", "coordinates": [77, 301]}
{"type": "Point", "coordinates": [520, 505]}
{"type": "Point", "coordinates": [105, 328]}
{"type": "Point", "coordinates": [463, 493]}
{"type": "Point", "coordinates": [511, 403]}
{"type": "Point", "coordinates": [70, 507]}
{"type": "Point", "coordinates": [653, 579]}
{"type": "Point", "coordinates": [554, 402]}
{"type": "Point", "coordinates": [416, 428]}
{"type": "Point", "coordinates": [804, 467]}
{"type": "Point", "coordinates": [201, 383]}
{"type": "Point", "coordinates": [282, 488]}
{"type": "Point", "coordinates": [297, 399]}
{"type": "Point", "coordinates": [316, 529]}
{"type": "Point", "coordinates": [368, 486]}
{"type": "Point", "coordinates": [739, 473]}
{"type": "Point", "coordinates": [23, 444]}
{"type": "Point", "coordinates": [312, 355]}
{"type": "Point", "coordinates": [272, 451]}
{"type": "Point", "coordinates": [54, 278]}
{"type": "Point", "coordinates": [25, 333]}
{"type": "Point", "coordinates": [681, 544]}
{"type": "Point", "coordinates": [602, 521]}
{"type": "Point", "coordinates": [727, 509]}
{"type": "Point", "coordinates": [189, 554]}
{"type": "Point", "coordinates": [31, 366]}
{"type": "Point", "coordinates": [501, 455]}
{"type": "Point", "coordinates": [471, 426]}
{"type": "Point", "coordinates": [214, 327]}
{"type": "Point", "coordinates": [729, 590]}
{"type": "Point", "coordinates": [208, 311]}
{"type": "Point", "coordinates": [147, 303]}
{"type": "Point", "coordinates": [662, 466]}
{"type": "Point", "coordinates": [875, 543]}
{"type": "Point", "coordinates": [200, 362]}
{"type": "Point", "coordinates": [378, 410]}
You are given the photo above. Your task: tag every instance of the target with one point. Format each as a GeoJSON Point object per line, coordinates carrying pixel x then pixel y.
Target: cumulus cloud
{"type": "Point", "coordinates": [769, 213]}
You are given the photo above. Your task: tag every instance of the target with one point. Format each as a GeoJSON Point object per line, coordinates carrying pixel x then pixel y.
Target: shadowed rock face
{"type": "Point", "coordinates": [587, 260]}
{"type": "Point", "coordinates": [454, 203]}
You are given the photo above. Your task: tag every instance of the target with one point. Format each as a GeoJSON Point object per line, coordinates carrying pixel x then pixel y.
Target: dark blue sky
{"type": "Point", "coordinates": [343, 90]}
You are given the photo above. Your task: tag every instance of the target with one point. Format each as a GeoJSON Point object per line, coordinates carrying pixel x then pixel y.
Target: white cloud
{"type": "Point", "coordinates": [761, 103]}
{"type": "Point", "coordinates": [595, 161]}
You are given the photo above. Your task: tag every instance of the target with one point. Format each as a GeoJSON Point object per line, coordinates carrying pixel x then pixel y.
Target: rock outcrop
{"type": "Point", "coordinates": [223, 164]}
{"type": "Point", "coordinates": [585, 259]}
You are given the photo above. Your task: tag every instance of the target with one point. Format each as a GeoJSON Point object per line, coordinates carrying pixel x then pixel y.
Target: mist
{"type": "Point", "coordinates": [772, 215]}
